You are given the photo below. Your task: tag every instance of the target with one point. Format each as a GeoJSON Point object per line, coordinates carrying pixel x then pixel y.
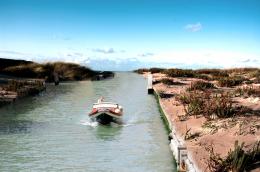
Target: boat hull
{"type": "Point", "coordinates": [105, 113]}
{"type": "Point", "coordinates": [105, 119]}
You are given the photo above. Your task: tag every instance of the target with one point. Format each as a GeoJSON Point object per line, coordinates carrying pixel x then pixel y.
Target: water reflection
{"type": "Point", "coordinates": [108, 132]}
{"type": "Point", "coordinates": [28, 104]}
{"type": "Point", "coordinates": [19, 126]}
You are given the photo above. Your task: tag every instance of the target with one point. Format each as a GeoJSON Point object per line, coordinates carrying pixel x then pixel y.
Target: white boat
{"type": "Point", "coordinates": [106, 112]}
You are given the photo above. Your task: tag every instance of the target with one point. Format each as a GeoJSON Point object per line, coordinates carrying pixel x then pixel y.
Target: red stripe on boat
{"type": "Point", "coordinates": [94, 111]}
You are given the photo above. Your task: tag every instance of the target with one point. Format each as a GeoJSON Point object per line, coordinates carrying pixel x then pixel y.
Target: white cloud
{"type": "Point", "coordinates": [104, 50]}
{"type": "Point", "coordinates": [209, 58]}
{"type": "Point", "coordinates": [145, 54]}
{"type": "Point", "coordinates": [179, 58]}
{"type": "Point", "coordinates": [15, 55]}
{"type": "Point", "coordinates": [70, 56]}
{"type": "Point", "coordinates": [12, 52]}
{"type": "Point", "coordinates": [194, 27]}
{"type": "Point", "coordinates": [74, 54]}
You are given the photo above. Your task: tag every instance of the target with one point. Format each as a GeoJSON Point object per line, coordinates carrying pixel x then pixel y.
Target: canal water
{"type": "Point", "coordinates": [52, 132]}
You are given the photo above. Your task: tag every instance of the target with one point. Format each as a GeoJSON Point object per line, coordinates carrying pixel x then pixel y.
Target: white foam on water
{"type": "Point", "coordinates": [126, 125]}
{"type": "Point", "coordinates": [89, 123]}
{"type": "Point", "coordinates": [135, 119]}
{"type": "Point", "coordinates": [130, 122]}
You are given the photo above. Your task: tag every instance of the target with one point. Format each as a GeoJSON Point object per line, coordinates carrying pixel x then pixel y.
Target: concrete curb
{"type": "Point", "coordinates": [177, 144]}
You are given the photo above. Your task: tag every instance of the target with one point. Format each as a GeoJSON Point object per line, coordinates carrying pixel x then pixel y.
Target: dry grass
{"type": "Point", "coordinates": [242, 70]}
{"type": "Point", "coordinates": [168, 81]}
{"type": "Point", "coordinates": [180, 73]}
{"type": "Point", "coordinates": [156, 70]}
{"type": "Point", "coordinates": [204, 77]}
{"type": "Point", "coordinates": [230, 81]}
{"type": "Point", "coordinates": [237, 160]}
{"type": "Point", "coordinates": [189, 135]}
{"type": "Point", "coordinates": [164, 95]}
{"type": "Point", "coordinates": [207, 104]}
{"type": "Point", "coordinates": [66, 71]}
{"type": "Point", "coordinates": [193, 102]}
{"type": "Point", "coordinates": [213, 72]}
{"type": "Point", "coordinates": [255, 76]}
{"type": "Point", "coordinates": [200, 85]}
{"type": "Point", "coordinates": [248, 91]}
{"type": "Point", "coordinates": [141, 71]}
{"type": "Point", "coordinates": [152, 70]}
{"type": "Point", "coordinates": [225, 77]}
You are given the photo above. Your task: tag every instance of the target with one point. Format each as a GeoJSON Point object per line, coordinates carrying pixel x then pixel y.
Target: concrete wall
{"type": "Point", "coordinates": [177, 144]}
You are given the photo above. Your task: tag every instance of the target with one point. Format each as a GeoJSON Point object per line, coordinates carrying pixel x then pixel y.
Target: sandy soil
{"type": "Point", "coordinates": [221, 133]}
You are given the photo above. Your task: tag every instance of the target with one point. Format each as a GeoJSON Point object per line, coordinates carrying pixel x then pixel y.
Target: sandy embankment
{"type": "Point", "coordinates": [221, 133]}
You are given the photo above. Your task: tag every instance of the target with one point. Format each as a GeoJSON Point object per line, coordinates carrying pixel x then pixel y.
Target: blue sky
{"type": "Point", "coordinates": [136, 33]}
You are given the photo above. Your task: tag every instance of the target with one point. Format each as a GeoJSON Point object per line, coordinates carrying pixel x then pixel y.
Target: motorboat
{"type": "Point", "coordinates": [106, 112]}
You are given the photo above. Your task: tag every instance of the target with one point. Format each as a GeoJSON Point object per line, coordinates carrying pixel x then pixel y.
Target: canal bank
{"type": "Point", "coordinates": [179, 150]}
{"type": "Point", "coordinates": [204, 138]}
{"type": "Point", "coordinates": [177, 145]}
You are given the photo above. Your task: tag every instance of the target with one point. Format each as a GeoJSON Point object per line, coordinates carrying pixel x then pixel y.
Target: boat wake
{"type": "Point", "coordinates": [89, 123]}
{"type": "Point", "coordinates": [134, 120]}
{"type": "Point", "coordinates": [112, 124]}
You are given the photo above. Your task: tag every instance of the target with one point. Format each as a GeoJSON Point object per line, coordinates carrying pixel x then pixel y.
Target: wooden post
{"type": "Point", "coordinates": [56, 78]}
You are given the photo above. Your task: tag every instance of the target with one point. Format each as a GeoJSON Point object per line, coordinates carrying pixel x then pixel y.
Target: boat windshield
{"type": "Point", "coordinates": [105, 103]}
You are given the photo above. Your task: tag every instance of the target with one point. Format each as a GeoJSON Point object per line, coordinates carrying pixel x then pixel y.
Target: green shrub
{"type": "Point", "coordinates": [156, 70]}
{"type": "Point", "coordinates": [200, 85]}
{"type": "Point", "coordinates": [26, 71]}
{"type": "Point", "coordinates": [168, 81]}
{"type": "Point", "coordinates": [213, 72]}
{"type": "Point", "coordinates": [230, 81]}
{"type": "Point", "coordinates": [237, 160]}
{"type": "Point", "coordinates": [189, 136]}
{"type": "Point", "coordinates": [203, 103]}
{"type": "Point", "coordinates": [248, 91]}
{"type": "Point", "coordinates": [164, 95]}
{"type": "Point", "coordinates": [257, 80]}
{"type": "Point", "coordinates": [255, 73]}
{"type": "Point", "coordinates": [242, 70]}
{"type": "Point", "coordinates": [203, 76]}
{"type": "Point", "coordinates": [152, 70]}
{"type": "Point", "coordinates": [195, 106]}
{"type": "Point", "coordinates": [66, 71]}
{"type": "Point", "coordinates": [222, 106]}
{"type": "Point", "coordinates": [179, 73]}
{"type": "Point", "coordinates": [249, 82]}
{"type": "Point", "coordinates": [193, 102]}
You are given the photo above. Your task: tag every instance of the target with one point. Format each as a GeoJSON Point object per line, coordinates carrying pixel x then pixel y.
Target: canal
{"type": "Point", "coordinates": [52, 132]}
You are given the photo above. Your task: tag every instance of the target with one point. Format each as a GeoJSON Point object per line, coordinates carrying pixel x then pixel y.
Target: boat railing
{"type": "Point", "coordinates": [105, 103]}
